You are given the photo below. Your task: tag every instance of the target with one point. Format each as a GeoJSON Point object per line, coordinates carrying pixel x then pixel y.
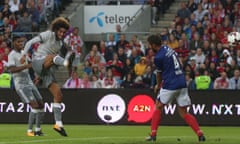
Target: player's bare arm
{"type": "Point", "coordinates": [159, 81]}
{"type": "Point", "coordinates": [14, 69]}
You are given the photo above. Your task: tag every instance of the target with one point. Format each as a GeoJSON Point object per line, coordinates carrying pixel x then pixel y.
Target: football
{"type": "Point", "coordinates": [233, 38]}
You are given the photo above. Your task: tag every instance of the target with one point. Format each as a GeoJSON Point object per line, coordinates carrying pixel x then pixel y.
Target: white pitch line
{"type": "Point", "coordinates": [102, 138]}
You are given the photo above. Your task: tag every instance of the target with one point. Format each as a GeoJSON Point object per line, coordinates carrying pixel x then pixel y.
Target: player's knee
{"type": "Point", "coordinates": [48, 61]}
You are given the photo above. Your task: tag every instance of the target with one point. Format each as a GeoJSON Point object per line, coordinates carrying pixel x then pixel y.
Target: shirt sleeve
{"type": "Point", "coordinates": [42, 37]}
{"type": "Point", "coordinates": [11, 61]}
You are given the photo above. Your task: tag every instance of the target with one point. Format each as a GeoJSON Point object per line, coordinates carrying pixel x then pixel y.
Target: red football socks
{"type": "Point", "coordinates": [192, 122]}
{"type": "Point", "coordinates": [155, 122]}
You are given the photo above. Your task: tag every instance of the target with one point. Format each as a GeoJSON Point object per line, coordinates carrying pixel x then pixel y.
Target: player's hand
{"type": "Point", "coordinates": [23, 59]}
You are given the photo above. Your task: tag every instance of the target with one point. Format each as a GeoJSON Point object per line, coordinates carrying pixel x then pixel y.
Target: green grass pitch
{"type": "Point", "coordinates": [117, 134]}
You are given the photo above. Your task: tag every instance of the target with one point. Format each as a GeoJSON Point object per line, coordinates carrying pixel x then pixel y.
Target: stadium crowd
{"type": "Point", "coordinates": [198, 34]}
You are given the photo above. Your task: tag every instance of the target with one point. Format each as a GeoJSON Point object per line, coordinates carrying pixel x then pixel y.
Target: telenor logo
{"type": "Point", "coordinates": [99, 20]}
{"type": "Point", "coordinates": [140, 109]}
{"type": "Point", "coordinates": [111, 108]}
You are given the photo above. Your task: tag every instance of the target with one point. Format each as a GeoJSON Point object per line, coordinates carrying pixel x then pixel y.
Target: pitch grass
{"type": "Point", "coordinates": [112, 134]}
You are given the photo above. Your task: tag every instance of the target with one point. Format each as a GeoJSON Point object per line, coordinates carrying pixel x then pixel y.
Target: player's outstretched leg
{"type": "Point", "coordinates": [192, 122]}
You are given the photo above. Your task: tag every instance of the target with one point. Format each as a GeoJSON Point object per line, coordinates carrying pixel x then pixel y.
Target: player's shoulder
{"type": "Point", "coordinates": [12, 53]}
{"type": "Point", "coordinates": [46, 34]}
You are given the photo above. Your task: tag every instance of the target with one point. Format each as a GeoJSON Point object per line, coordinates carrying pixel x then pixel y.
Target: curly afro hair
{"type": "Point", "coordinates": [59, 22]}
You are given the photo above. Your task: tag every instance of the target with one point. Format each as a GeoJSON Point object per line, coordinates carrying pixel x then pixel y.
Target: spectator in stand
{"type": "Point", "coordinates": [199, 13]}
{"type": "Point", "coordinates": [127, 81]}
{"type": "Point", "coordinates": [122, 42]}
{"type": "Point", "coordinates": [186, 24]}
{"type": "Point", "coordinates": [109, 81]}
{"type": "Point", "coordinates": [13, 21]}
{"type": "Point", "coordinates": [117, 33]}
{"type": "Point", "coordinates": [213, 39]}
{"type": "Point", "coordinates": [42, 12]}
{"type": "Point", "coordinates": [195, 43]}
{"type": "Point", "coordinates": [156, 9]}
{"type": "Point", "coordinates": [221, 82]}
{"type": "Point", "coordinates": [182, 51]}
{"type": "Point", "coordinates": [219, 49]}
{"type": "Point", "coordinates": [205, 4]}
{"type": "Point", "coordinates": [33, 11]}
{"type": "Point", "coordinates": [87, 68]}
{"type": "Point", "coordinates": [183, 12]}
{"type": "Point", "coordinates": [95, 82]}
{"type": "Point", "coordinates": [206, 48]}
{"type": "Point", "coordinates": [99, 61]}
{"type": "Point", "coordinates": [75, 42]}
{"type": "Point", "coordinates": [235, 15]}
{"type": "Point", "coordinates": [111, 43]}
{"type": "Point", "coordinates": [24, 23]}
{"type": "Point", "coordinates": [213, 57]}
{"type": "Point", "coordinates": [6, 11]}
{"type": "Point", "coordinates": [200, 28]}
{"type": "Point", "coordinates": [140, 68]}
{"type": "Point", "coordinates": [203, 80]}
{"type": "Point", "coordinates": [95, 70]}
{"type": "Point", "coordinates": [227, 57]}
{"type": "Point", "coordinates": [237, 58]}
{"type": "Point", "coordinates": [128, 67]}
{"type": "Point", "coordinates": [213, 73]}
{"type": "Point", "coordinates": [147, 77]}
{"type": "Point", "coordinates": [102, 48]}
{"type": "Point", "coordinates": [20, 11]}
{"type": "Point", "coordinates": [134, 57]}
{"type": "Point", "coordinates": [85, 82]}
{"type": "Point", "coordinates": [116, 66]}
{"type": "Point", "coordinates": [73, 81]}
{"type": "Point", "coordinates": [165, 32]}
{"type": "Point", "coordinates": [193, 19]}
{"type": "Point", "coordinates": [121, 54]}
{"type": "Point", "coordinates": [234, 82]}
{"type": "Point", "coordinates": [178, 32]}
{"type": "Point", "coordinates": [191, 5]}
{"type": "Point", "coordinates": [192, 63]}
{"type": "Point", "coordinates": [6, 26]}
{"type": "Point", "coordinates": [172, 42]}
{"type": "Point", "coordinates": [14, 5]}
{"type": "Point", "coordinates": [199, 57]}
{"type": "Point", "coordinates": [136, 42]}
{"type": "Point", "coordinates": [92, 53]}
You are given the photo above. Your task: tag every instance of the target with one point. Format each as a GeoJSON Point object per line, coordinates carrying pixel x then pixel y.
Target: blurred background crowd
{"type": "Point", "coordinates": [198, 34]}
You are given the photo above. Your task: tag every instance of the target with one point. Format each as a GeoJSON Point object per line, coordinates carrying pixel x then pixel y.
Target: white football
{"type": "Point", "coordinates": [233, 38]}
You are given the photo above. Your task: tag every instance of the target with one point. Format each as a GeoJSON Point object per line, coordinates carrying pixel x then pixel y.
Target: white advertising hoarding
{"type": "Point", "coordinates": [103, 19]}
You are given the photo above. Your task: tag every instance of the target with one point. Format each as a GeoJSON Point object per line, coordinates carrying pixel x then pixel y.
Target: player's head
{"type": "Point", "coordinates": [17, 42]}
{"type": "Point", "coordinates": [60, 25]}
{"type": "Point", "coordinates": [154, 42]}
